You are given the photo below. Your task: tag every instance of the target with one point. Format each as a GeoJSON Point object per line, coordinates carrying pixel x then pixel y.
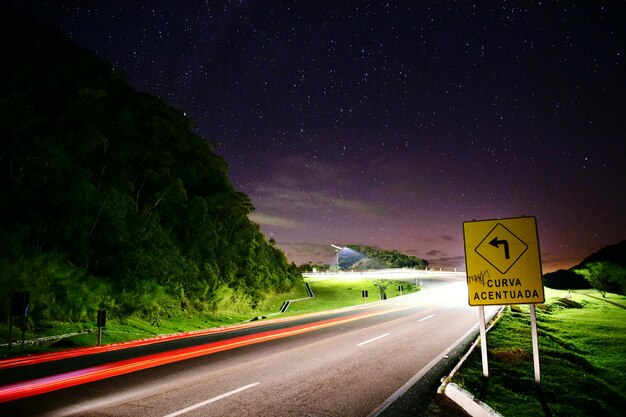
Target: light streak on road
{"type": "Point", "coordinates": [24, 389]}
{"type": "Point", "coordinates": [33, 359]}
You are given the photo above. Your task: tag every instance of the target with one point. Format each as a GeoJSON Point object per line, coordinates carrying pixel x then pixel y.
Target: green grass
{"type": "Point", "coordinates": [333, 293]}
{"type": "Point", "coordinates": [329, 294]}
{"type": "Point", "coordinates": [582, 346]}
{"type": "Point", "coordinates": [613, 298]}
{"type": "Point", "coordinates": [131, 328]}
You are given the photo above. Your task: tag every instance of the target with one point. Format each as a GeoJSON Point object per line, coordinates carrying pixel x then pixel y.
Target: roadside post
{"type": "Point", "coordinates": [102, 320]}
{"type": "Point", "coordinates": [503, 265]}
{"type": "Point", "coordinates": [400, 288]}
{"type": "Point", "coordinates": [364, 294]}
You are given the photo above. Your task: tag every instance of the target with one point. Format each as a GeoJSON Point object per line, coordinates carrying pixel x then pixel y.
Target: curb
{"type": "Point", "coordinates": [462, 398]}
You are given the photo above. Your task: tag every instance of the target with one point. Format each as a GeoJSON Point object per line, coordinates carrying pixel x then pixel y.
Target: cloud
{"type": "Point", "coordinates": [268, 220]}
{"type": "Point", "coordinates": [303, 252]}
{"type": "Point", "coordinates": [434, 252]}
{"type": "Point", "coordinates": [446, 237]}
{"type": "Point", "coordinates": [301, 186]}
{"type": "Point", "coordinates": [281, 199]}
{"type": "Point", "coordinates": [456, 263]}
{"type": "Point", "coordinates": [361, 207]}
{"type": "Point", "coordinates": [550, 262]}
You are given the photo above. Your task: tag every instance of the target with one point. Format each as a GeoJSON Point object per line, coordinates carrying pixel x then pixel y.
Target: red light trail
{"type": "Point", "coordinates": [24, 389]}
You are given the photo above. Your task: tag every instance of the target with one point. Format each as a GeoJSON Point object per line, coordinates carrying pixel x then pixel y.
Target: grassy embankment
{"type": "Point", "coordinates": [329, 294]}
{"type": "Point", "coordinates": [582, 346]}
{"type": "Point", "coordinates": [333, 293]}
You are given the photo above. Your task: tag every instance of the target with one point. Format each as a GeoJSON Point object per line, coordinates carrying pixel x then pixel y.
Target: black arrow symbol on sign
{"type": "Point", "coordinates": [495, 242]}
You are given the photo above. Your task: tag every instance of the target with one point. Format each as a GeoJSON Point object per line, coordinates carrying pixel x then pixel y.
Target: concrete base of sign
{"type": "Point", "coordinates": [467, 402]}
{"type": "Point", "coordinates": [460, 397]}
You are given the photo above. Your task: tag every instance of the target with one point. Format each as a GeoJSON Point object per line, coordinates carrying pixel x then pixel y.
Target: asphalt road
{"type": "Point", "coordinates": [347, 363]}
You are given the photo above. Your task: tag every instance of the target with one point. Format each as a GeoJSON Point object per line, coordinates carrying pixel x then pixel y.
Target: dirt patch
{"type": "Point", "coordinates": [511, 355]}
{"type": "Point", "coordinates": [568, 303]}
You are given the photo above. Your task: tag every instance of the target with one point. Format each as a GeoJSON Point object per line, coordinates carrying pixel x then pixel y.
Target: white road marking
{"type": "Point", "coordinates": [371, 340]}
{"type": "Point", "coordinates": [212, 400]}
{"type": "Point", "coordinates": [427, 317]}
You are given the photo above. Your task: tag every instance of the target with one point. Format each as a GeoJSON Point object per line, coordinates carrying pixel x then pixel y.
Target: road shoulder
{"type": "Point", "coordinates": [418, 397]}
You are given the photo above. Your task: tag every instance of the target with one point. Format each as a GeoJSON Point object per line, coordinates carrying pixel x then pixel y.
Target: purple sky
{"type": "Point", "coordinates": [390, 124]}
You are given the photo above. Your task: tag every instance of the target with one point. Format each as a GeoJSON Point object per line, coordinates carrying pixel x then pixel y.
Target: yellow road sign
{"type": "Point", "coordinates": [503, 262]}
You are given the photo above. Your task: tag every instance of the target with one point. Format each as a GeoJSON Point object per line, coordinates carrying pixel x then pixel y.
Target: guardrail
{"type": "Point", "coordinates": [287, 303]}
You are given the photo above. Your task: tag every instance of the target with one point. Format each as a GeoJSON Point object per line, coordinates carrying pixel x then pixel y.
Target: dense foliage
{"type": "Point", "coordinates": [565, 279]}
{"type": "Point", "coordinates": [107, 197]}
{"type": "Point", "coordinates": [365, 258]}
{"type": "Point", "coordinates": [373, 258]}
{"type": "Point", "coordinates": [605, 277]}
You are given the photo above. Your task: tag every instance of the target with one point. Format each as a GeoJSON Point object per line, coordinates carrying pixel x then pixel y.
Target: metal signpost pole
{"type": "Point", "coordinates": [533, 327]}
{"type": "Point", "coordinates": [483, 341]}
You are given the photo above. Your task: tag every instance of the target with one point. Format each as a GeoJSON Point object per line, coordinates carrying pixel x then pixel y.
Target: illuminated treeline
{"type": "Point", "coordinates": [604, 270]}
{"type": "Point", "coordinates": [380, 258]}
{"type": "Point", "coordinates": [108, 199]}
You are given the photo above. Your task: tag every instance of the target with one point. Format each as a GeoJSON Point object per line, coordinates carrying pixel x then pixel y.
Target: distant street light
{"type": "Point", "coordinates": [338, 250]}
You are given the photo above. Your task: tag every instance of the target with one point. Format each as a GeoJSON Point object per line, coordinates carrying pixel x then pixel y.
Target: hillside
{"type": "Point", "coordinates": [568, 279]}
{"type": "Point", "coordinates": [109, 199]}
{"type": "Point", "coordinates": [366, 257]}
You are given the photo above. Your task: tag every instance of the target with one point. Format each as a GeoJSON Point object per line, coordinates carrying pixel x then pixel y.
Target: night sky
{"type": "Point", "coordinates": [389, 124]}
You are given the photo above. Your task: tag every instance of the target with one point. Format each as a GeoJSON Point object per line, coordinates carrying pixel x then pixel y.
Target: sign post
{"type": "Point", "coordinates": [503, 266]}
{"type": "Point", "coordinates": [533, 327]}
{"type": "Point", "coordinates": [483, 341]}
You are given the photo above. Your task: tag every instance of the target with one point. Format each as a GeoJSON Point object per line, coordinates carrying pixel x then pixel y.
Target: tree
{"type": "Point", "coordinates": [378, 258]}
{"type": "Point", "coordinates": [115, 186]}
{"type": "Point", "coordinates": [382, 288]}
{"type": "Point", "coordinates": [604, 276]}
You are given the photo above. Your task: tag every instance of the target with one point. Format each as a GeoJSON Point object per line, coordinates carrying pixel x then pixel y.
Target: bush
{"type": "Point", "coordinates": [58, 290]}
